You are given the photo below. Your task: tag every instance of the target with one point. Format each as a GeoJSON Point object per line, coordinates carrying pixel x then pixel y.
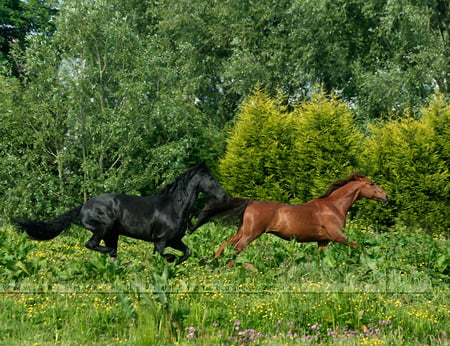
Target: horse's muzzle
{"type": "Point", "coordinates": [384, 199]}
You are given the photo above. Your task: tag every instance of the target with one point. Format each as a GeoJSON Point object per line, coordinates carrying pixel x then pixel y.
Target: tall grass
{"type": "Point", "coordinates": [393, 290]}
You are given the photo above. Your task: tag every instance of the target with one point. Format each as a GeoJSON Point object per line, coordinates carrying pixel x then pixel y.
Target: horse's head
{"type": "Point", "coordinates": [370, 190]}
{"type": "Point", "coordinates": [208, 183]}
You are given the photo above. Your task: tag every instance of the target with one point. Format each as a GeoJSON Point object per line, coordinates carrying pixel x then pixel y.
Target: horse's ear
{"type": "Point", "coordinates": [201, 166]}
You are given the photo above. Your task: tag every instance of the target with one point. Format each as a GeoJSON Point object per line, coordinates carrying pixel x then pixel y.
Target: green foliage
{"type": "Point", "coordinates": [19, 19]}
{"type": "Point", "coordinates": [383, 56]}
{"type": "Point", "coordinates": [32, 129]}
{"type": "Point", "coordinates": [293, 156]}
{"type": "Point", "coordinates": [289, 156]}
{"type": "Point", "coordinates": [95, 111]}
{"type": "Point", "coordinates": [123, 96]}
{"type": "Point", "coordinates": [15, 261]}
{"type": "Point", "coordinates": [409, 158]}
{"type": "Point", "coordinates": [326, 148]}
{"type": "Point", "coordinates": [259, 150]}
{"type": "Point", "coordinates": [393, 290]}
{"type": "Point", "coordinates": [397, 74]}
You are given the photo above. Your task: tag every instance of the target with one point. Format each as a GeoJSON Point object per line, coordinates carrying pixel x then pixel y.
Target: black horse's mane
{"type": "Point", "coordinates": [181, 182]}
{"type": "Point", "coordinates": [341, 182]}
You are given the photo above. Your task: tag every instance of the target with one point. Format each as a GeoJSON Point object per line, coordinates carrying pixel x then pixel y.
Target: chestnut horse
{"type": "Point", "coordinates": [319, 220]}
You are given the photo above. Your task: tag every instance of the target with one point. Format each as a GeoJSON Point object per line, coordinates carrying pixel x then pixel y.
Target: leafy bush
{"type": "Point", "coordinates": [289, 156]}
{"type": "Point", "coordinates": [409, 158]}
{"type": "Point", "coordinates": [293, 156]}
{"type": "Point", "coordinates": [326, 148]}
{"type": "Point", "coordinates": [259, 149]}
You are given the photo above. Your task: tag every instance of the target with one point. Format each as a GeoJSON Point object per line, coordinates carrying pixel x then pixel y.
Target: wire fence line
{"type": "Point", "coordinates": [387, 293]}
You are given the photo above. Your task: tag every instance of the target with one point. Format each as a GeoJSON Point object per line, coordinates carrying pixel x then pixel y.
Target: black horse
{"type": "Point", "coordinates": [162, 219]}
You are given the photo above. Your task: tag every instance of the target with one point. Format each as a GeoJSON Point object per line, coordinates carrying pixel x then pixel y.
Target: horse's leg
{"type": "Point", "coordinates": [246, 236]}
{"type": "Point", "coordinates": [221, 248]}
{"type": "Point", "coordinates": [111, 239]}
{"type": "Point", "coordinates": [353, 244]}
{"type": "Point", "coordinates": [179, 245]}
{"type": "Point", "coordinates": [233, 240]}
{"type": "Point", "coordinates": [244, 241]}
{"type": "Point", "coordinates": [323, 244]}
{"type": "Point", "coordinates": [159, 248]}
{"type": "Point", "coordinates": [239, 244]}
{"type": "Point", "coordinates": [94, 244]}
{"type": "Point", "coordinates": [340, 238]}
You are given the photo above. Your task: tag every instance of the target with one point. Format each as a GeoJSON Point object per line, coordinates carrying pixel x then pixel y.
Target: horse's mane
{"type": "Point", "coordinates": [182, 180]}
{"type": "Point", "coordinates": [341, 182]}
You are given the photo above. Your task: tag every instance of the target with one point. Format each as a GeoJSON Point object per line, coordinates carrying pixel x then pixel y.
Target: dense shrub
{"type": "Point", "coordinates": [259, 150]}
{"type": "Point", "coordinates": [410, 159]}
{"type": "Point", "coordinates": [293, 156]}
{"type": "Point", "coordinates": [289, 156]}
{"type": "Point", "coordinates": [326, 145]}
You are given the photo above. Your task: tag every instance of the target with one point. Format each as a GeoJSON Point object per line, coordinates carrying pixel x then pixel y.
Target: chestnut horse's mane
{"type": "Point", "coordinates": [341, 182]}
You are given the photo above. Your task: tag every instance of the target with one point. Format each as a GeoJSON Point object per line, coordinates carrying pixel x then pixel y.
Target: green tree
{"type": "Point", "coordinates": [124, 95]}
{"type": "Point", "coordinates": [405, 61]}
{"type": "Point", "coordinates": [382, 56]}
{"type": "Point", "coordinates": [32, 129]}
{"type": "Point", "coordinates": [289, 156]}
{"type": "Point", "coordinates": [95, 110]}
{"type": "Point", "coordinates": [258, 150]}
{"type": "Point", "coordinates": [327, 145]}
{"type": "Point", "coordinates": [409, 157]}
{"type": "Point", "coordinates": [131, 127]}
{"type": "Point", "coordinates": [18, 20]}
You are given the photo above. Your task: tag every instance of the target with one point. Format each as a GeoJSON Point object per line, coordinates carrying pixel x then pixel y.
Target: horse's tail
{"type": "Point", "coordinates": [229, 208]}
{"type": "Point", "coordinates": [40, 230]}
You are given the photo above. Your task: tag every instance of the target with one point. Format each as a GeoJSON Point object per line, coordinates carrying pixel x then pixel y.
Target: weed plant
{"type": "Point", "coordinates": [394, 289]}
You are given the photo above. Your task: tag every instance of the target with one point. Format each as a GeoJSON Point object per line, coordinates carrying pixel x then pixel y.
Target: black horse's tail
{"type": "Point", "coordinates": [229, 208]}
{"type": "Point", "coordinates": [40, 230]}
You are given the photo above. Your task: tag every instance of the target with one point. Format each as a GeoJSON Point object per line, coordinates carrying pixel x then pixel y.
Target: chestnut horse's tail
{"type": "Point", "coordinates": [229, 208]}
{"type": "Point", "coordinates": [39, 230]}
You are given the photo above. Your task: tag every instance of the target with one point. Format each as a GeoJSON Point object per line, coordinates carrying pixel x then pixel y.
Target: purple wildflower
{"type": "Point", "coordinates": [237, 324]}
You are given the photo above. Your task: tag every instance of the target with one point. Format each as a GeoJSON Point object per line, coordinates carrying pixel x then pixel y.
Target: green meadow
{"type": "Point", "coordinates": [394, 289]}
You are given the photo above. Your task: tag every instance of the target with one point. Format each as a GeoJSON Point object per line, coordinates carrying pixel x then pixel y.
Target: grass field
{"type": "Point", "coordinates": [393, 290]}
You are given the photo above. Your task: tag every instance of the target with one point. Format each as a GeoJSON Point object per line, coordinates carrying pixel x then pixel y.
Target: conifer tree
{"type": "Point", "coordinates": [285, 156]}
{"type": "Point", "coordinates": [409, 157]}
{"type": "Point", "coordinates": [258, 150]}
{"type": "Point", "coordinates": [327, 144]}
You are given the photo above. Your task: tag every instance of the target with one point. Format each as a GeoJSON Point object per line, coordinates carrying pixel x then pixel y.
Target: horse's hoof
{"type": "Point", "coordinates": [354, 244]}
{"type": "Point", "coordinates": [230, 264]}
{"type": "Point", "coordinates": [250, 267]}
{"type": "Point", "coordinates": [170, 258]}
